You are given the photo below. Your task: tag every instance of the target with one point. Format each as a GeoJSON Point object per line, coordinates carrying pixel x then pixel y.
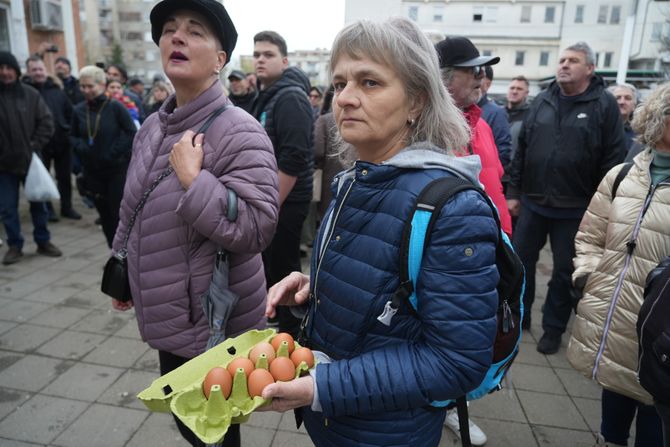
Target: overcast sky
{"type": "Point", "coordinates": [305, 24]}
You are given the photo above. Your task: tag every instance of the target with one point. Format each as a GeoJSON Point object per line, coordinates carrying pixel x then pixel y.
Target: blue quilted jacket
{"type": "Point", "coordinates": [378, 390]}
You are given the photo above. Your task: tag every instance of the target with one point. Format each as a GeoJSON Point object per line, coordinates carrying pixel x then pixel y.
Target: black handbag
{"type": "Point", "coordinates": [115, 274]}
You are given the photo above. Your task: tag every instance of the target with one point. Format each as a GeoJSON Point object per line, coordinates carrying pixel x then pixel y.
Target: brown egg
{"type": "Point", "coordinates": [240, 362]}
{"type": "Point", "coordinates": [303, 355]}
{"type": "Point", "coordinates": [282, 369]}
{"type": "Point", "coordinates": [258, 380]}
{"type": "Point", "coordinates": [218, 376]}
{"type": "Point", "coordinates": [262, 348]}
{"type": "Point", "coordinates": [283, 336]}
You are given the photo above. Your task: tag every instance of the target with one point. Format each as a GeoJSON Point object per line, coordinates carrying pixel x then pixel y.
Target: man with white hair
{"type": "Point", "coordinates": [571, 137]}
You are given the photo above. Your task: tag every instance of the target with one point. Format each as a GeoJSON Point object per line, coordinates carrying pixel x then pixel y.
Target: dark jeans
{"type": "Point", "coordinates": [169, 362]}
{"type": "Point", "coordinates": [62, 160]}
{"type": "Point", "coordinates": [108, 189]}
{"type": "Point", "coordinates": [618, 413]}
{"type": "Point", "coordinates": [663, 410]}
{"type": "Point", "coordinates": [530, 235]}
{"type": "Point", "coordinates": [283, 257]}
{"type": "Point", "coordinates": [9, 212]}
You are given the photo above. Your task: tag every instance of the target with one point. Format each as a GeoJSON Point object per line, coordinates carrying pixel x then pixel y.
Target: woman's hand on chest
{"type": "Point", "coordinates": [186, 158]}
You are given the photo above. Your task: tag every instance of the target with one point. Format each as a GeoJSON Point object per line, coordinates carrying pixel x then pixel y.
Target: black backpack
{"type": "Point", "coordinates": [653, 331]}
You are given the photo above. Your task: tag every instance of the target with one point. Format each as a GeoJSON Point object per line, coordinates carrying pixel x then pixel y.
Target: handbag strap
{"type": "Point", "coordinates": [165, 173]}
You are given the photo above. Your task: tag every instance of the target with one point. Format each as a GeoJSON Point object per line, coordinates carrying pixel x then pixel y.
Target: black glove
{"type": "Point", "coordinates": [577, 291]}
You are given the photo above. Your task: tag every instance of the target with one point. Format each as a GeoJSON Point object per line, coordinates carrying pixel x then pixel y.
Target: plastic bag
{"type": "Point", "coordinates": [40, 186]}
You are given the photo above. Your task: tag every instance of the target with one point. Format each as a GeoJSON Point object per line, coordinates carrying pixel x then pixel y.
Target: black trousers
{"type": "Point", "coordinates": [107, 187]}
{"type": "Point", "coordinates": [530, 235]}
{"type": "Point", "coordinates": [61, 156]}
{"type": "Point", "coordinates": [169, 362]}
{"type": "Point", "coordinates": [283, 256]}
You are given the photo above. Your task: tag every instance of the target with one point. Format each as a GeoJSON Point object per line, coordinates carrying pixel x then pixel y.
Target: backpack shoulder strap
{"type": "Point", "coordinates": [620, 176]}
{"type": "Point", "coordinates": [416, 233]}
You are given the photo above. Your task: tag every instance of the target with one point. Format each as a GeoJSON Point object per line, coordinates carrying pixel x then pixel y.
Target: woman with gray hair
{"type": "Point", "coordinates": [622, 237]}
{"type": "Point", "coordinates": [380, 367]}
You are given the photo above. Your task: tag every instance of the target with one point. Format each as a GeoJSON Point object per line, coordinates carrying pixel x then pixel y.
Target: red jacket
{"type": "Point", "coordinates": [483, 144]}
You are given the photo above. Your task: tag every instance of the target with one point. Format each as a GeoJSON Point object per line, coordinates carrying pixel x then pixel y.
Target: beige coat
{"type": "Point", "coordinates": [604, 344]}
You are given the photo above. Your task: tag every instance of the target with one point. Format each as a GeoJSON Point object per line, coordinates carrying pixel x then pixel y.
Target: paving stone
{"type": "Point", "coordinates": [41, 419]}
{"type": "Point", "coordinates": [19, 288]}
{"type": "Point", "coordinates": [559, 437]}
{"type": "Point", "coordinates": [26, 337]}
{"type": "Point", "coordinates": [52, 294]}
{"type": "Point", "coordinates": [71, 264]}
{"type": "Point", "coordinates": [102, 425]}
{"type": "Point", "coordinates": [506, 434]}
{"type": "Point", "coordinates": [83, 382]}
{"type": "Point", "coordinates": [20, 311]}
{"type": "Point", "coordinates": [45, 277]}
{"type": "Point", "coordinates": [79, 280]}
{"type": "Point", "coordinates": [129, 330]}
{"type": "Point", "coordinates": [11, 443]}
{"type": "Point", "coordinates": [502, 405]}
{"type": "Point", "coordinates": [287, 423]}
{"type": "Point", "coordinates": [32, 373]}
{"type": "Point", "coordinates": [590, 409]}
{"type": "Point", "coordinates": [578, 385]}
{"type": "Point", "coordinates": [71, 344]}
{"type": "Point", "coordinates": [60, 316]}
{"type": "Point", "coordinates": [291, 439]}
{"type": "Point", "coordinates": [159, 429]}
{"type": "Point", "coordinates": [6, 325]}
{"type": "Point", "coordinates": [124, 391]}
{"type": "Point", "coordinates": [536, 378]}
{"type": "Point", "coordinates": [559, 360]}
{"type": "Point", "coordinates": [10, 400]}
{"type": "Point", "coordinates": [265, 419]}
{"type": "Point", "coordinates": [122, 352]}
{"type": "Point", "coordinates": [148, 362]}
{"type": "Point", "coordinates": [89, 298]}
{"type": "Point", "coordinates": [551, 410]}
{"type": "Point", "coordinates": [8, 358]}
{"type": "Point", "coordinates": [102, 322]}
{"type": "Point", "coordinates": [256, 436]}
{"type": "Point", "coordinates": [528, 355]}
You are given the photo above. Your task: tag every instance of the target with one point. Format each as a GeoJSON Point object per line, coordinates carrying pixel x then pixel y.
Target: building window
{"type": "Point", "coordinates": [518, 59]}
{"type": "Point", "coordinates": [414, 13]}
{"type": "Point", "coordinates": [579, 14]}
{"type": "Point", "coordinates": [132, 35]}
{"type": "Point", "coordinates": [438, 14]}
{"type": "Point", "coordinates": [486, 53]}
{"type": "Point", "coordinates": [130, 16]}
{"type": "Point", "coordinates": [597, 59]}
{"type": "Point", "coordinates": [491, 14]}
{"type": "Point", "coordinates": [477, 14]}
{"type": "Point", "coordinates": [615, 16]}
{"type": "Point", "coordinates": [544, 58]}
{"type": "Point", "coordinates": [608, 59]}
{"type": "Point", "coordinates": [5, 44]}
{"type": "Point", "coordinates": [525, 13]}
{"type": "Point", "coordinates": [602, 14]}
{"type": "Point", "coordinates": [656, 31]}
{"type": "Point", "coordinates": [549, 14]}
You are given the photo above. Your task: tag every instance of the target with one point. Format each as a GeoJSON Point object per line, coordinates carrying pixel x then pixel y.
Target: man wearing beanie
{"type": "Point", "coordinates": [26, 125]}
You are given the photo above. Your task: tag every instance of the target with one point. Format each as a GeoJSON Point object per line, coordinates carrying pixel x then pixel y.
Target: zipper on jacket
{"type": "Point", "coordinates": [630, 248]}
{"type": "Point", "coordinates": [322, 251]}
{"type": "Point", "coordinates": [651, 311]}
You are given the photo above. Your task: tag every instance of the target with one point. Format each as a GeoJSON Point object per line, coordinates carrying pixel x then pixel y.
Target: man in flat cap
{"type": "Point", "coordinates": [241, 94]}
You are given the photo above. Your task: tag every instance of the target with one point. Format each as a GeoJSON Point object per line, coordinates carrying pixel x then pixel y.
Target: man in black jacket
{"type": "Point", "coordinates": [26, 126]}
{"type": "Point", "coordinates": [241, 94]}
{"type": "Point", "coordinates": [63, 70]}
{"type": "Point", "coordinates": [571, 137]}
{"type": "Point", "coordinates": [283, 109]}
{"type": "Point", "coordinates": [58, 149]}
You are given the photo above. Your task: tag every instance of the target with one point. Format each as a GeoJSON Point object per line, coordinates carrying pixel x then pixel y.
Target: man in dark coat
{"type": "Point", "coordinates": [283, 109]}
{"type": "Point", "coordinates": [496, 118]}
{"type": "Point", "coordinates": [517, 107]}
{"type": "Point", "coordinates": [58, 149]}
{"type": "Point", "coordinates": [241, 94]}
{"type": "Point", "coordinates": [26, 126]}
{"type": "Point", "coordinates": [63, 70]}
{"type": "Point", "coordinates": [555, 172]}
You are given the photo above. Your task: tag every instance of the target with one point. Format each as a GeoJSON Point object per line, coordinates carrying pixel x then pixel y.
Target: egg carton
{"type": "Point", "coordinates": [180, 391]}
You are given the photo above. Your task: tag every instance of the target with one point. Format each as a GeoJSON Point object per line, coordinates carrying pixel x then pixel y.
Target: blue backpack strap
{"type": "Point", "coordinates": [417, 230]}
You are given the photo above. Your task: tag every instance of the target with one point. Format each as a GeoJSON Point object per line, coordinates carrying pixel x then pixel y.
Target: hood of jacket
{"type": "Point", "coordinates": [596, 85]}
{"type": "Point", "coordinates": [425, 155]}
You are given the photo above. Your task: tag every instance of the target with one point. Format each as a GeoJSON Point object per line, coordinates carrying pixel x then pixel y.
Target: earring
{"type": "Point", "coordinates": [411, 122]}
{"type": "Point", "coordinates": [217, 71]}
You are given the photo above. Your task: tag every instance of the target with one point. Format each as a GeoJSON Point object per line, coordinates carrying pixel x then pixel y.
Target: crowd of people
{"type": "Point", "coordinates": [177, 174]}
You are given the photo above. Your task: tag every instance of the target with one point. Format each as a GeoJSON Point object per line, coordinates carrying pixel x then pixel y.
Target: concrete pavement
{"type": "Point", "coordinates": [70, 366]}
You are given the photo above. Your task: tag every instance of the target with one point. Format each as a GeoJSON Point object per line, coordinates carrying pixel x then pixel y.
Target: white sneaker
{"type": "Point", "coordinates": [477, 436]}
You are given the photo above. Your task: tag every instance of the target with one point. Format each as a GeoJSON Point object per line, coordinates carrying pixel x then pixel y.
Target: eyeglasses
{"type": "Point", "coordinates": [314, 96]}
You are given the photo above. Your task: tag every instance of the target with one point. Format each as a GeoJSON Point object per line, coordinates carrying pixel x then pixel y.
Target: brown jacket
{"type": "Point", "coordinates": [604, 344]}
